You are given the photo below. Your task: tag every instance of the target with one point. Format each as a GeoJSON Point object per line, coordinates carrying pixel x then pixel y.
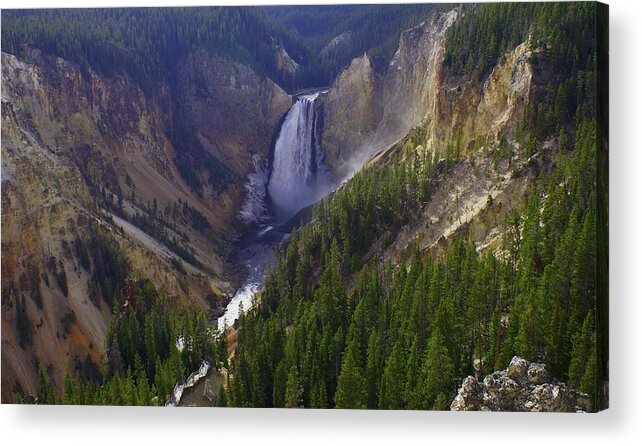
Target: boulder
{"type": "Point", "coordinates": [210, 390]}
{"type": "Point", "coordinates": [470, 395]}
{"type": "Point", "coordinates": [537, 374]}
{"type": "Point", "coordinates": [517, 368]}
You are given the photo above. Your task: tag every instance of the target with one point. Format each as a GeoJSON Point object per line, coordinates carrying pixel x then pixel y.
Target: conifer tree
{"type": "Point", "coordinates": [393, 381]}
{"type": "Point", "coordinates": [412, 398]}
{"type": "Point", "coordinates": [351, 387]}
{"type": "Point", "coordinates": [583, 350]}
{"type": "Point", "coordinates": [293, 390]}
{"type": "Point", "coordinates": [437, 372]}
{"type": "Point", "coordinates": [45, 388]}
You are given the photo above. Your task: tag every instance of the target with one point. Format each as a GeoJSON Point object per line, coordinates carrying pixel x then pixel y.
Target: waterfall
{"type": "Point", "coordinates": [298, 175]}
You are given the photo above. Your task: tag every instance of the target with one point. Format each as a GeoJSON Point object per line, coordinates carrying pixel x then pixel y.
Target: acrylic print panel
{"type": "Point", "coordinates": [338, 206]}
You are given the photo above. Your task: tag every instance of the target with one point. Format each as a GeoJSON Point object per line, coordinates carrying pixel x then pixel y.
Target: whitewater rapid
{"type": "Point", "coordinates": [191, 381]}
{"type": "Point", "coordinates": [257, 254]}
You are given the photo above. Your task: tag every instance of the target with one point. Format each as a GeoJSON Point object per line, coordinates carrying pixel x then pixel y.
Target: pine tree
{"type": "Point", "coordinates": [351, 387]}
{"type": "Point", "coordinates": [412, 398]}
{"type": "Point", "coordinates": [588, 382]}
{"type": "Point", "coordinates": [222, 397]}
{"type": "Point", "coordinates": [318, 395]}
{"type": "Point", "coordinates": [45, 389]}
{"type": "Point", "coordinates": [393, 381]}
{"type": "Point", "coordinates": [373, 370]}
{"type": "Point", "coordinates": [279, 385]}
{"type": "Point", "coordinates": [583, 349]}
{"type": "Point", "coordinates": [437, 372]}
{"type": "Point", "coordinates": [70, 390]}
{"type": "Point", "coordinates": [293, 390]}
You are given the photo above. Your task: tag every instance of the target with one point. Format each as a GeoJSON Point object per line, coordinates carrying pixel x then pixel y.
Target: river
{"type": "Point", "coordinates": [256, 252]}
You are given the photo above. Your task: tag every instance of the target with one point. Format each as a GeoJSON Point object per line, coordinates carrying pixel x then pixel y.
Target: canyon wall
{"type": "Point", "coordinates": [233, 111]}
{"type": "Point", "coordinates": [91, 180]}
{"type": "Point", "coordinates": [416, 106]}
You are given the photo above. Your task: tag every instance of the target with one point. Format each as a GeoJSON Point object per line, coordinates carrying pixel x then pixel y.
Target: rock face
{"type": "Point", "coordinates": [284, 62]}
{"type": "Point", "coordinates": [367, 111]}
{"type": "Point", "coordinates": [352, 112]}
{"type": "Point", "coordinates": [231, 109]}
{"type": "Point", "coordinates": [336, 43]}
{"type": "Point", "coordinates": [523, 387]}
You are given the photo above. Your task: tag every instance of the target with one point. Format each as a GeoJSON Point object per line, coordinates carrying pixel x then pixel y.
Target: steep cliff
{"type": "Point", "coordinates": [366, 111]}
{"type": "Point", "coordinates": [389, 103]}
{"type": "Point", "coordinates": [417, 106]}
{"type": "Point", "coordinates": [352, 112]}
{"type": "Point", "coordinates": [232, 110]}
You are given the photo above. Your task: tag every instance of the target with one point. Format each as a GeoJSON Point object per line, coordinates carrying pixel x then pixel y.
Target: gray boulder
{"type": "Point", "coordinates": [517, 369]}
{"type": "Point", "coordinates": [538, 374]}
{"type": "Point", "coordinates": [473, 398]}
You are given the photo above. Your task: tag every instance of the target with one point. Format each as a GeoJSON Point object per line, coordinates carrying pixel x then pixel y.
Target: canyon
{"type": "Point", "coordinates": [195, 180]}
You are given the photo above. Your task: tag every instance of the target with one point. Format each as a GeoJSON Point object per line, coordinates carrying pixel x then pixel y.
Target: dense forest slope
{"type": "Point", "coordinates": [148, 43]}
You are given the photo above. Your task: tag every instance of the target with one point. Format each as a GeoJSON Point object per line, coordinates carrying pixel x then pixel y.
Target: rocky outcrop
{"type": "Point", "coordinates": [466, 114]}
{"type": "Point", "coordinates": [387, 104]}
{"type": "Point", "coordinates": [522, 387]}
{"type": "Point", "coordinates": [284, 63]}
{"type": "Point", "coordinates": [352, 112]}
{"type": "Point", "coordinates": [412, 80]}
{"type": "Point", "coordinates": [338, 42]}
